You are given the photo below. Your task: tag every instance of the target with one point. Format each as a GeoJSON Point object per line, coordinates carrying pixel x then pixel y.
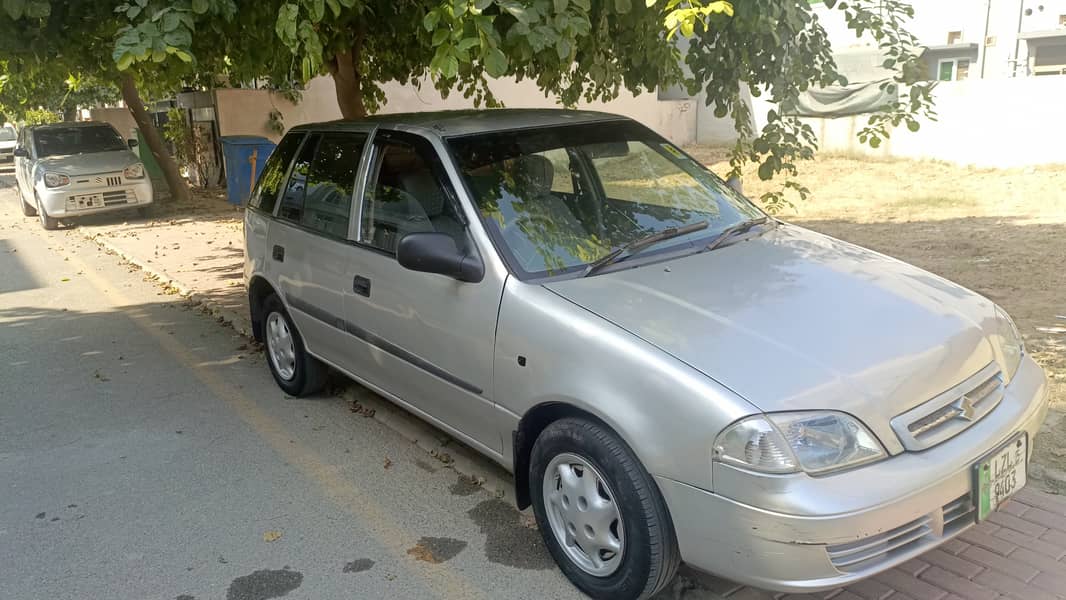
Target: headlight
{"type": "Point", "coordinates": [1010, 344]}
{"type": "Point", "coordinates": [55, 179]}
{"type": "Point", "coordinates": [134, 171]}
{"type": "Point", "coordinates": [813, 441]}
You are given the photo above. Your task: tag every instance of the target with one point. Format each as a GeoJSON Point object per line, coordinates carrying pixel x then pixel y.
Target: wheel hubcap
{"type": "Point", "coordinates": [280, 346]}
{"type": "Point", "coordinates": [583, 515]}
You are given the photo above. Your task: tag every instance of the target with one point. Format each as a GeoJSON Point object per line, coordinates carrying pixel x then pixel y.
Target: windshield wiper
{"type": "Point", "coordinates": [640, 243]}
{"type": "Point", "coordinates": [735, 230]}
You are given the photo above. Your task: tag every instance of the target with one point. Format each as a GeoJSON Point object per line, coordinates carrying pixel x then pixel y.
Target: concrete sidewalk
{"type": "Point", "coordinates": [197, 251]}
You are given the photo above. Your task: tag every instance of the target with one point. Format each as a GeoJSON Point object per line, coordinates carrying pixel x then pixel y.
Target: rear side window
{"type": "Point", "coordinates": [292, 201]}
{"type": "Point", "coordinates": [331, 183]}
{"type": "Point", "coordinates": [265, 195]}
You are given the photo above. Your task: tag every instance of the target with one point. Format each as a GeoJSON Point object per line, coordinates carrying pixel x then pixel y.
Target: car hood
{"type": "Point", "coordinates": [795, 320]}
{"type": "Point", "coordinates": [89, 163]}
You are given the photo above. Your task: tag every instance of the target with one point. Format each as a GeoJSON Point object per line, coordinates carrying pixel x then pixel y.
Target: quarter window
{"type": "Point", "coordinates": [292, 202]}
{"type": "Point", "coordinates": [331, 184]}
{"type": "Point", "coordinates": [406, 197]}
{"type": "Point", "coordinates": [265, 195]}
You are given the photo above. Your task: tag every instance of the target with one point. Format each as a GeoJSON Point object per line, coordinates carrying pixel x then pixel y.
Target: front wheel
{"type": "Point", "coordinates": [600, 513]}
{"type": "Point", "coordinates": [47, 222]}
{"type": "Point", "coordinates": [294, 370]}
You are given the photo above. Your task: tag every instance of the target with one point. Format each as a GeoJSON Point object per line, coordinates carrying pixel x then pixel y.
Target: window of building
{"type": "Point", "coordinates": [954, 37]}
{"type": "Point", "coordinates": [953, 69]}
{"type": "Point", "coordinates": [1062, 20]}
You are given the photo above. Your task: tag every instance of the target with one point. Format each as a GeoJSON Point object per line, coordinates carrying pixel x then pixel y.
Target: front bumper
{"type": "Point", "coordinates": [68, 201]}
{"type": "Point", "coordinates": [893, 510]}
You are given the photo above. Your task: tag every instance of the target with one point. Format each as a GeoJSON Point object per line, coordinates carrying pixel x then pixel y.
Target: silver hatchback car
{"type": "Point", "coordinates": [670, 374]}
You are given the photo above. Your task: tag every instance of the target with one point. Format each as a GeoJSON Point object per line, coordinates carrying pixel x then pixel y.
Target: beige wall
{"type": "Point", "coordinates": [120, 118]}
{"type": "Point", "coordinates": [246, 112]}
{"type": "Point", "coordinates": [982, 122]}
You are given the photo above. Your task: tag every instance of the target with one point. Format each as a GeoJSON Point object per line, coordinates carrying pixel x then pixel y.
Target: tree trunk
{"type": "Point", "coordinates": [179, 190]}
{"type": "Point", "coordinates": [70, 114]}
{"type": "Point", "coordinates": [348, 80]}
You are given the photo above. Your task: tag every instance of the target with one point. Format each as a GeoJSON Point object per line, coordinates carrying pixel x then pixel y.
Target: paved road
{"type": "Point", "coordinates": [146, 453]}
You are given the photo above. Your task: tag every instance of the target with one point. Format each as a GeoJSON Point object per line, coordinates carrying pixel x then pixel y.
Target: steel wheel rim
{"type": "Point", "coordinates": [583, 515]}
{"type": "Point", "coordinates": [280, 346]}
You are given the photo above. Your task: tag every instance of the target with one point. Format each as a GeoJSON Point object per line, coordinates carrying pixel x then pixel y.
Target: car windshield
{"type": "Point", "coordinates": [61, 141]}
{"type": "Point", "coordinates": [7, 134]}
{"type": "Point", "coordinates": [557, 199]}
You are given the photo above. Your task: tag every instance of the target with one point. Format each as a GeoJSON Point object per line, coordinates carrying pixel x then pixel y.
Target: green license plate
{"type": "Point", "coordinates": [999, 475]}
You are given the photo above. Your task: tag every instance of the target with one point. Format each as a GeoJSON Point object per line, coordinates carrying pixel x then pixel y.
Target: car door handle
{"type": "Point", "coordinates": [279, 253]}
{"type": "Point", "coordinates": [361, 286]}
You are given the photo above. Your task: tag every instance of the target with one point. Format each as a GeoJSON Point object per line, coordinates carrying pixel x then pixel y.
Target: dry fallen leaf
{"type": "Point", "coordinates": [388, 462]}
{"type": "Point", "coordinates": [271, 536]}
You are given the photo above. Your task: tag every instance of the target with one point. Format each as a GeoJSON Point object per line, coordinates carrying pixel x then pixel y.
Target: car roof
{"type": "Point", "coordinates": [449, 123]}
{"type": "Point", "coordinates": [69, 125]}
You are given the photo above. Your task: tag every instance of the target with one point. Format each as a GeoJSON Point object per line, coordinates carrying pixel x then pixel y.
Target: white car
{"type": "Point", "coordinates": [7, 143]}
{"type": "Point", "coordinates": [69, 170]}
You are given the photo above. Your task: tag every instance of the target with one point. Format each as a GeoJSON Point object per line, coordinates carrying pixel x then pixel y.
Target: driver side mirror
{"type": "Point", "coordinates": [437, 253]}
{"type": "Point", "coordinates": [21, 153]}
{"type": "Point", "coordinates": [132, 144]}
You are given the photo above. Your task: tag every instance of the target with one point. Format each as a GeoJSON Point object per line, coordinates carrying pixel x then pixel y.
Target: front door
{"type": "Point", "coordinates": [308, 246]}
{"type": "Point", "coordinates": [427, 339]}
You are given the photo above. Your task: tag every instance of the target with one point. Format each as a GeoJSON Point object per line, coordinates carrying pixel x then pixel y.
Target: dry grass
{"type": "Point", "coordinates": [1001, 233]}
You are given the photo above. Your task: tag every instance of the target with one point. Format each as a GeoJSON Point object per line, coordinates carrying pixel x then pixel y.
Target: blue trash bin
{"type": "Point", "coordinates": [244, 157]}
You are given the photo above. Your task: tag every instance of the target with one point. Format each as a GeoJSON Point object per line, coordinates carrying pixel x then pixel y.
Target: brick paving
{"type": "Point", "coordinates": [1018, 554]}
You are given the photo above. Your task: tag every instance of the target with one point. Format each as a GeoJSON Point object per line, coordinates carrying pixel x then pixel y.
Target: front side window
{"type": "Point", "coordinates": [406, 195]}
{"type": "Point", "coordinates": [64, 141]}
{"type": "Point", "coordinates": [265, 195]}
{"type": "Point", "coordinates": [559, 198]}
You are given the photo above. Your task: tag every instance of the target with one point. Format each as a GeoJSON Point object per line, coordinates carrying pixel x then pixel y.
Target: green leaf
{"type": "Point", "coordinates": [200, 6]}
{"type": "Point", "coordinates": [468, 43]}
{"type": "Point", "coordinates": [429, 22]}
{"type": "Point", "coordinates": [286, 24]}
{"type": "Point", "coordinates": [560, 5]}
{"type": "Point", "coordinates": [450, 67]}
{"type": "Point", "coordinates": [183, 55]}
{"type": "Point", "coordinates": [335, 7]}
{"type": "Point", "coordinates": [766, 171]}
{"type": "Point", "coordinates": [171, 20]}
{"type": "Point", "coordinates": [622, 6]}
{"type": "Point", "coordinates": [439, 36]}
{"type": "Point", "coordinates": [495, 63]}
{"type": "Point", "coordinates": [133, 11]}
{"type": "Point", "coordinates": [316, 10]}
{"type": "Point", "coordinates": [124, 61]}
{"type": "Point", "coordinates": [38, 9]}
{"type": "Point", "coordinates": [649, 3]}
{"type": "Point", "coordinates": [914, 125]}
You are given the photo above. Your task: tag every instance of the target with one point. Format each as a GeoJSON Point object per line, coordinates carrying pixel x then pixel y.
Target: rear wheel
{"type": "Point", "coordinates": [47, 222]}
{"type": "Point", "coordinates": [294, 370]}
{"type": "Point", "coordinates": [600, 512]}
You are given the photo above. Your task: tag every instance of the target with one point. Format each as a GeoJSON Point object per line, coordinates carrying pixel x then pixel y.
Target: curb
{"type": "Point", "coordinates": [451, 453]}
{"type": "Point", "coordinates": [224, 315]}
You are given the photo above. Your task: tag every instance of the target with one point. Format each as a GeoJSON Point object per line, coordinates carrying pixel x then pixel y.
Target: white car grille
{"type": "Point", "coordinates": [952, 412]}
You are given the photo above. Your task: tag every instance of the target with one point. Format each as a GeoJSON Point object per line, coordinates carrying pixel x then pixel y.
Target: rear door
{"type": "Point", "coordinates": [425, 338]}
{"type": "Point", "coordinates": [308, 242]}
{"type": "Point", "coordinates": [262, 203]}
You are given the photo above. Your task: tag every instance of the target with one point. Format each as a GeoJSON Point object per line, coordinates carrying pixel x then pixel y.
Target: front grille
{"type": "Point", "coordinates": [952, 412]}
{"type": "Point", "coordinates": [113, 181]}
{"type": "Point", "coordinates": [117, 197]}
{"type": "Point", "coordinates": [906, 540]}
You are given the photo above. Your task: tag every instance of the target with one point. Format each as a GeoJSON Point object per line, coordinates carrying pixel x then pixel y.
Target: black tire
{"type": "Point", "coordinates": [309, 375]}
{"type": "Point", "coordinates": [146, 212]}
{"type": "Point", "coordinates": [27, 210]}
{"type": "Point", "coordinates": [47, 222]}
{"type": "Point", "coordinates": [650, 556]}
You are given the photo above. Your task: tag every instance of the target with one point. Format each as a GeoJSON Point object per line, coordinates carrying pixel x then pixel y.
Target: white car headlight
{"type": "Point", "coordinates": [1010, 344]}
{"type": "Point", "coordinates": [134, 171]}
{"type": "Point", "coordinates": [813, 441]}
{"type": "Point", "coordinates": [55, 180]}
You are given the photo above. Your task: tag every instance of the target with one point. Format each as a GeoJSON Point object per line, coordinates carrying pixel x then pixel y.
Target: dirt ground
{"type": "Point", "coordinates": [999, 232]}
